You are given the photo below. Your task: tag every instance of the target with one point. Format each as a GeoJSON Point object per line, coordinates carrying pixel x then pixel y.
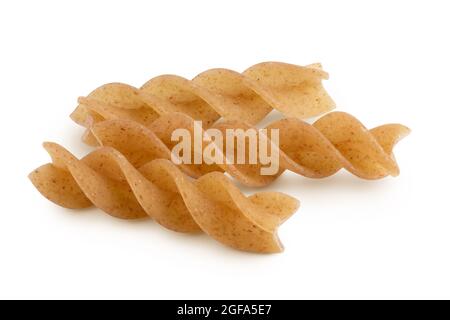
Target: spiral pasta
{"type": "Point", "coordinates": [248, 97]}
{"type": "Point", "coordinates": [335, 141]}
{"type": "Point", "coordinates": [211, 204]}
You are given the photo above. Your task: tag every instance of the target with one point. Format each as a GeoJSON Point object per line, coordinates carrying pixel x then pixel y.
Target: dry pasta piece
{"type": "Point", "coordinates": [211, 204]}
{"type": "Point", "coordinates": [296, 91]}
{"type": "Point", "coordinates": [335, 141]}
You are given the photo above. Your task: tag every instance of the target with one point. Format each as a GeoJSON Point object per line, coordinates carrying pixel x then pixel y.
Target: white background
{"type": "Point", "coordinates": [388, 62]}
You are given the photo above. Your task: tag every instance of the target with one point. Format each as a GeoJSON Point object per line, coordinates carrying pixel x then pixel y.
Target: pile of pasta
{"type": "Point", "coordinates": [130, 176]}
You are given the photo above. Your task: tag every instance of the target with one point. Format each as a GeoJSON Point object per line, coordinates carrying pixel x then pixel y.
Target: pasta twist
{"type": "Point", "coordinates": [248, 97]}
{"type": "Point", "coordinates": [106, 179]}
{"type": "Point", "coordinates": [335, 141]}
